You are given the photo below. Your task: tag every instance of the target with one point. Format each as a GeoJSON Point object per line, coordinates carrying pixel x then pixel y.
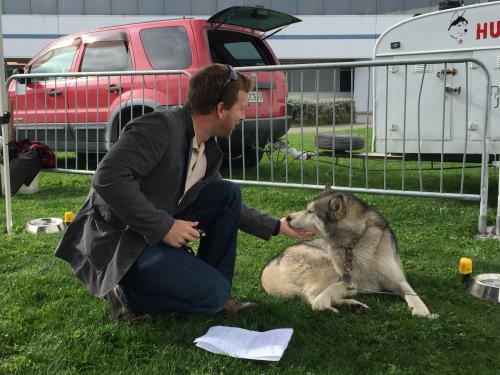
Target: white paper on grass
{"type": "Point", "coordinates": [243, 343]}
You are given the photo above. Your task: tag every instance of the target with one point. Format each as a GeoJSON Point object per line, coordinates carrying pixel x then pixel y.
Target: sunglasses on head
{"type": "Point", "coordinates": [232, 76]}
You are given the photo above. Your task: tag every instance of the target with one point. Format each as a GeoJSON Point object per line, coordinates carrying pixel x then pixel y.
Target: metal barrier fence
{"type": "Point", "coordinates": [80, 115]}
{"type": "Point", "coordinates": [408, 146]}
{"type": "Point", "coordinates": [439, 132]}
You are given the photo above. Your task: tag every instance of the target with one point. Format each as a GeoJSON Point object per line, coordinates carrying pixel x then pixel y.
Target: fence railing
{"type": "Point", "coordinates": [424, 140]}
{"type": "Point", "coordinates": [390, 135]}
{"type": "Point", "coordinates": [80, 115]}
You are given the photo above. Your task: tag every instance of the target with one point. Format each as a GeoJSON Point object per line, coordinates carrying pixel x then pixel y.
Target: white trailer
{"type": "Point", "coordinates": [433, 109]}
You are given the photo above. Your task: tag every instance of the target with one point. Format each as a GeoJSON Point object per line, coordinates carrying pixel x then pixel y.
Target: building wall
{"type": "Point", "coordinates": [331, 29]}
{"type": "Point", "coordinates": [316, 37]}
{"type": "Point", "coordinates": [202, 7]}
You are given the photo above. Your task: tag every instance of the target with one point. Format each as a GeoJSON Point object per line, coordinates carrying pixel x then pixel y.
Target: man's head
{"type": "Point", "coordinates": [220, 91]}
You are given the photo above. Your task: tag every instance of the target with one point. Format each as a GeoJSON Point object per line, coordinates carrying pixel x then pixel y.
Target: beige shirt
{"type": "Point", "coordinates": [197, 165]}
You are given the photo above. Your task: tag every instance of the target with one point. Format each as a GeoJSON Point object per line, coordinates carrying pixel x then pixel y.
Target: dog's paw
{"type": "Point", "coordinates": [360, 308]}
{"type": "Point", "coordinates": [328, 309]}
{"type": "Point", "coordinates": [354, 305]}
{"type": "Point", "coordinates": [429, 316]}
{"type": "Point", "coordinates": [426, 315]}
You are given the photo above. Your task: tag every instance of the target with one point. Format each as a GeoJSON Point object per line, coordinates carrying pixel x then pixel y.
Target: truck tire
{"type": "Point", "coordinates": [126, 116]}
{"type": "Point", "coordinates": [342, 142]}
{"type": "Point", "coordinates": [251, 159]}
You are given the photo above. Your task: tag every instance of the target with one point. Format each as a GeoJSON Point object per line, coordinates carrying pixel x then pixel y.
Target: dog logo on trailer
{"type": "Point", "coordinates": [458, 27]}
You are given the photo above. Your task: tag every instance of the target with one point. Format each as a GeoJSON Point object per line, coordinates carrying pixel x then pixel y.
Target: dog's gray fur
{"type": "Point", "coordinates": [313, 270]}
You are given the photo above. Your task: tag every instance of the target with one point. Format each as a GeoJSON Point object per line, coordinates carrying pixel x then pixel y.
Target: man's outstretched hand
{"type": "Point", "coordinates": [290, 232]}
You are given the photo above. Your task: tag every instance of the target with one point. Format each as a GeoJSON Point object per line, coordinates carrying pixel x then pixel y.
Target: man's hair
{"type": "Point", "coordinates": [211, 85]}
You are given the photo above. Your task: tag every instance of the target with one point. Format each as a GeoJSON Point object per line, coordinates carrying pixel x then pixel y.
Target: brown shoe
{"type": "Point", "coordinates": [119, 311]}
{"type": "Point", "coordinates": [235, 308]}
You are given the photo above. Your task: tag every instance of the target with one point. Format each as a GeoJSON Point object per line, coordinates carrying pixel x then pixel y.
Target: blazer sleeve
{"type": "Point", "coordinates": [117, 179]}
{"type": "Point", "coordinates": [257, 223]}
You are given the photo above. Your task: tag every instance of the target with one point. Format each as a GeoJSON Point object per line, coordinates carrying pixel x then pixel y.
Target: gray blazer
{"type": "Point", "coordinates": [135, 197]}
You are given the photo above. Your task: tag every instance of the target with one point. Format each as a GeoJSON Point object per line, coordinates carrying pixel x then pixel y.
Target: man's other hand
{"type": "Point", "coordinates": [181, 233]}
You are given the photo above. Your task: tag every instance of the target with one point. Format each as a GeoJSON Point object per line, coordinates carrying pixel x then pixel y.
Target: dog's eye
{"type": "Point", "coordinates": [309, 212]}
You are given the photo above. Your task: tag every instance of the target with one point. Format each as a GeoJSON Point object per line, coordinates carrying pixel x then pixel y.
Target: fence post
{"type": "Point", "coordinates": [5, 138]}
{"type": "Point", "coordinates": [483, 205]}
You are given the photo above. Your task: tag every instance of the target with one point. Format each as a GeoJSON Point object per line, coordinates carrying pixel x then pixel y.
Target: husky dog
{"type": "Point", "coordinates": [356, 252]}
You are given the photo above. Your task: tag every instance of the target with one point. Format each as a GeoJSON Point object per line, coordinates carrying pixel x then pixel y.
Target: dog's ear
{"type": "Point", "coordinates": [328, 189]}
{"type": "Point", "coordinates": [336, 205]}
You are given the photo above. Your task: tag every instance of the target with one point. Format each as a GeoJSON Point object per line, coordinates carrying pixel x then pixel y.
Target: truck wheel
{"type": "Point", "coordinates": [251, 159]}
{"type": "Point", "coordinates": [126, 115]}
{"type": "Point", "coordinates": [341, 142]}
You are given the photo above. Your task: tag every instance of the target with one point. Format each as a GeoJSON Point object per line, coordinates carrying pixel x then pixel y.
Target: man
{"type": "Point", "coordinates": [156, 190]}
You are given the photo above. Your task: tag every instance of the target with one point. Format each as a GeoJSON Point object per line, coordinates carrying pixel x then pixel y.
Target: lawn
{"type": "Point", "coordinates": [49, 324]}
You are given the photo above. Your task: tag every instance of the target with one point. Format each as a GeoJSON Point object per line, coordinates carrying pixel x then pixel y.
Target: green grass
{"type": "Point", "coordinates": [49, 324]}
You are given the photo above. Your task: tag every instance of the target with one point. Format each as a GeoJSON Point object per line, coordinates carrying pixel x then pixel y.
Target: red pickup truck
{"type": "Point", "coordinates": [86, 114]}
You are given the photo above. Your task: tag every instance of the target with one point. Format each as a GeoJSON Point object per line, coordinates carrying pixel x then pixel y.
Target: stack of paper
{"type": "Point", "coordinates": [242, 343]}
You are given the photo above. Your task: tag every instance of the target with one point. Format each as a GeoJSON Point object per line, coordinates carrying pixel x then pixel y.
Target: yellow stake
{"type": "Point", "coordinates": [465, 266]}
{"type": "Point", "coordinates": [68, 217]}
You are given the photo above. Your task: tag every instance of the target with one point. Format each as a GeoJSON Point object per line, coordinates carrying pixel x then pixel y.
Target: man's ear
{"type": "Point", "coordinates": [218, 109]}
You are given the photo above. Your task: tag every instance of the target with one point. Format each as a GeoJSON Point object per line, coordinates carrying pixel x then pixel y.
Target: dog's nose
{"type": "Point", "coordinates": [288, 218]}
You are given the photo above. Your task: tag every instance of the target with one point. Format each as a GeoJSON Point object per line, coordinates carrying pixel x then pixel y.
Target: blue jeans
{"type": "Point", "coordinates": [167, 279]}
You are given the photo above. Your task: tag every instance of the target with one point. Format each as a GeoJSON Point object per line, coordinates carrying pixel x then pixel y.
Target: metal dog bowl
{"type": "Point", "coordinates": [486, 286]}
{"type": "Point", "coordinates": [45, 225]}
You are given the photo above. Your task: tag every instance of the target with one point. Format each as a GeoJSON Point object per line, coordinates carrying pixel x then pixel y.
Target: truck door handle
{"type": "Point", "coordinates": [54, 92]}
{"type": "Point", "coordinates": [114, 88]}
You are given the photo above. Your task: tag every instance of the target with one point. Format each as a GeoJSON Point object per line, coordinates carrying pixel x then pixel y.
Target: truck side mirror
{"type": "Point", "coordinates": [19, 79]}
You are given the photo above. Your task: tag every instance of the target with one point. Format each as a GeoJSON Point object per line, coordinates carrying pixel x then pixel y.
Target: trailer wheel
{"type": "Point", "coordinates": [341, 142]}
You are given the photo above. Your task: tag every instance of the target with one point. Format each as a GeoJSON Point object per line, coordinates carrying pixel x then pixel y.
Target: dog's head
{"type": "Point", "coordinates": [329, 211]}
{"type": "Point", "coordinates": [458, 26]}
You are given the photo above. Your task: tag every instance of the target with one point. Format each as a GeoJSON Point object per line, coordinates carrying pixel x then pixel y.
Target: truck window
{"type": "Point", "coordinates": [238, 49]}
{"type": "Point", "coordinates": [106, 56]}
{"type": "Point", "coordinates": [245, 53]}
{"type": "Point", "coordinates": [167, 47]}
{"type": "Point", "coordinates": [58, 60]}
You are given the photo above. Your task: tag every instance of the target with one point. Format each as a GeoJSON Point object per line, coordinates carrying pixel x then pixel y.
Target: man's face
{"type": "Point", "coordinates": [232, 116]}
